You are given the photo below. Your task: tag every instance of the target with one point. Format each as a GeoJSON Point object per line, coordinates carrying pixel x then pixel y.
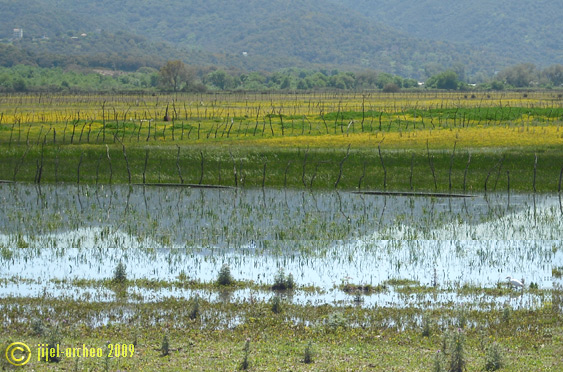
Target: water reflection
{"type": "Point", "coordinates": [322, 238]}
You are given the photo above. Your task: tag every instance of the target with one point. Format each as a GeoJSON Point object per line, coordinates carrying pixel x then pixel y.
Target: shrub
{"type": "Point", "coordinates": [493, 358]}
{"type": "Point", "coordinates": [506, 312]}
{"type": "Point", "coordinates": [245, 363]}
{"type": "Point", "coordinates": [457, 359]}
{"type": "Point", "coordinates": [165, 347]}
{"type": "Point", "coordinates": [437, 366]}
{"type": "Point", "coordinates": [225, 277]}
{"type": "Point", "coordinates": [282, 282]}
{"type": "Point", "coordinates": [426, 326]}
{"type": "Point", "coordinates": [194, 310]}
{"type": "Point", "coordinates": [308, 357]}
{"type": "Point", "coordinates": [120, 274]}
{"type": "Point", "coordinates": [337, 319]}
{"type": "Point", "coordinates": [391, 88]}
{"type": "Point", "coordinates": [52, 343]}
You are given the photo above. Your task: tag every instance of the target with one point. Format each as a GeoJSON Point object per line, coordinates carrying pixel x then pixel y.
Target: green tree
{"type": "Point", "coordinates": [173, 74]}
{"type": "Point", "coordinates": [554, 74]}
{"type": "Point", "coordinates": [221, 79]}
{"type": "Point", "coordinates": [444, 80]}
{"type": "Point", "coordinates": [521, 75]}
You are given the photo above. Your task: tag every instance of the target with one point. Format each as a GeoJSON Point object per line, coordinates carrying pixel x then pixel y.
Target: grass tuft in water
{"type": "Point", "coordinates": [225, 278]}
{"type": "Point", "coordinates": [283, 282]}
{"type": "Point", "coordinates": [120, 274]}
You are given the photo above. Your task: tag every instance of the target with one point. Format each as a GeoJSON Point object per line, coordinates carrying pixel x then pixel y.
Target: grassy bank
{"type": "Point", "coordinates": [341, 339]}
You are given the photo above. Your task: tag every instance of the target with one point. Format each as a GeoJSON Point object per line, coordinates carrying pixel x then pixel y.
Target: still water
{"type": "Point", "coordinates": [323, 238]}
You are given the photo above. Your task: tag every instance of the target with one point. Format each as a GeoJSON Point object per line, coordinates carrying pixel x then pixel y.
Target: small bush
{"type": "Point", "coordinates": [493, 358]}
{"type": "Point", "coordinates": [426, 326]}
{"type": "Point", "coordinates": [308, 357]}
{"type": "Point", "coordinates": [437, 366]}
{"type": "Point", "coordinates": [194, 309]}
{"type": "Point", "coordinates": [245, 364]}
{"type": "Point", "coordinates": [282, 282]}
{"type": "Point", "coordinates": [462, 319]}
{"type": "Point", "coordinates": [120, 274]}
{"type": "Point", "coordinates": [457, 359]}
{"type": "Point", "coordinates": [506, 313]}
{"type": "Point", "coordinates": [336, 320]}
{"type": "Point", "coordinates": [225, 277]}
{"type": "Point", "coordinates": [52, 343]}
{"type": "Point", "coordinates": [37, 327]}
{"type": "Point", "coordinates": [165, 347]}
{"type": "Point", "coordinates": [391, 88]}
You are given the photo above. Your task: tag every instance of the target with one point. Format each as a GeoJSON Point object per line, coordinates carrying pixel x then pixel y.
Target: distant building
{"type": "Point", "coordinates": [18, 34]}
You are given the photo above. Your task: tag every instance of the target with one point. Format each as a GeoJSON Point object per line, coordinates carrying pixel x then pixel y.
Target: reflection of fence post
{"type": "Point", "coordinates": [97, 166]}
{"type": "Point", "coordinates": [178, 165]}
{"type": "Point", "coordinates": [465, 172]}
{"type": "Point", "coordinates": [234, 168]}
{"type": "Point", "coordinates": [535, 168]}
{"type": "Point", "coordinates": [451, 165]}
{"type": "Point", "coordinates": [201, 176]}
{"type": "Point", "coordinates": [40, 168]}
{"type": "Point", "coordinates": [508, 181]}
{"type": "Point", "coordinates": [78, 168]}
{"type": "Point", "coordinates": [431, 165]}
{"type": "Point", "coordinates": [363, 175]}
{"type": "Point", "coordinates": [412, 164]}
{"type": "Point", "coordinates": [264, 174]}
{"type": "Point", "coordinates": [57, 165]}
{"type": "Point", "coordinates": [287, 169]}
{"type": "Point", "coordinates": [304, 165]}
{"type": "Point", "coordinates": [126, 162]}
{"type": "Point", "coordinates": [18, 165]}
{"type": "Point", "coordinates": [110, 168]}
{"type": "Point", "coordinates": [383, 165]}
{"type": "Point", "coordinates": [341, 165]}
{"type": "Point", "coordinates": [146, 162]}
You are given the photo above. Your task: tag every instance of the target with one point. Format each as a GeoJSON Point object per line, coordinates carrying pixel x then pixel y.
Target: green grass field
{"type": "Point", "coordinates": [396, 142]}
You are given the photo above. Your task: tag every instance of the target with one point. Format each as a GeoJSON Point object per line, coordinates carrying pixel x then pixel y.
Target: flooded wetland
{"type": "Point", "coordinates": [362, 254]}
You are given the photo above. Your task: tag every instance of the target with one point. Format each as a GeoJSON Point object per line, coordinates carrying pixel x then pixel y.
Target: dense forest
{"type": "Point", "coordinates": [528, 31]}
{"type": "Point", "coordinates": [255, 45]}
{"type": "Point", "coordinates": [250, 35]}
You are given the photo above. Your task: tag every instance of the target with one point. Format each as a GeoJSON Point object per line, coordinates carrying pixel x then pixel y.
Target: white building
{"type": "Point", "coordinates": [18, 34]}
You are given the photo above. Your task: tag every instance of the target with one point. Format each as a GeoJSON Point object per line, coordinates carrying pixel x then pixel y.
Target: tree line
{"type": "Point", "coordinates": [176, 76]}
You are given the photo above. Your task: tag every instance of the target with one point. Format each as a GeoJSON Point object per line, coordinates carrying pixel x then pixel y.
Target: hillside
{"type": "Point", "coordinates": [273, 35]}
{"type": "Point", "coordinates": [528, 31]}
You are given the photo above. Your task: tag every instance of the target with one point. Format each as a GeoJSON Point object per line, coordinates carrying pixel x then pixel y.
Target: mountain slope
{"type": "Point", "coordinates": [274, 34]}
{"type": "Point", "coordinates": [528, 31]}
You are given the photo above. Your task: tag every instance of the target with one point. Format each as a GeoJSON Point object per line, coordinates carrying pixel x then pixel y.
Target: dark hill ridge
{"type": "Point", "coordinates": [273, 34]}
{"type": "Point", "coordinates": [528, 31]}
